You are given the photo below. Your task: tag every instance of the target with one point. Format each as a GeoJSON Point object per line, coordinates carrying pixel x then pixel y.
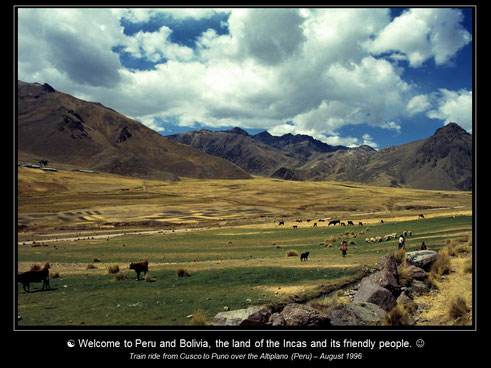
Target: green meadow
{"type": "Point", "coordinates": [231, 267]}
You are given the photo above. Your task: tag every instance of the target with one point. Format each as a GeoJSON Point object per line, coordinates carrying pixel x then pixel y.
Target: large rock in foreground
{"type": "Point", "coordinates": [371, 292]}
{"type": "Point", "coordinates": [422, 258]}
{"type": "Point", "coordinates": [295, 314]}
{"type": "Point", "coordinates": [252, 316]}
{"type": "Point", "coordinates": [358, 314]}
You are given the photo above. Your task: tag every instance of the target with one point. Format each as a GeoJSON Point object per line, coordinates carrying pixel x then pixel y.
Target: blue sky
{"type": "Point", "coordinates": [374, 76]}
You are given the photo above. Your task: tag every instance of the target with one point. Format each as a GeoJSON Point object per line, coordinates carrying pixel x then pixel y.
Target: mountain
{"type": "Point", "coordinates": [442, 161]}
{"type": "Point", "coordinates": [60, 128]}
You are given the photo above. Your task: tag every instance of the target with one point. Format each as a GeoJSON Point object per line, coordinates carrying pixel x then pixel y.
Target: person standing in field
{"type": "Point", "coordinates": [344, 248]}
{"type": "Point", "coordinates": [402, 242]}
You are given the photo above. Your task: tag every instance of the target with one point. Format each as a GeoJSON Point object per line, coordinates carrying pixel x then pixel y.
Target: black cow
{"type": "Point", "coordinates": [350, 223]}
{"type": "Point", "coordinates": [139, 267]}
{"type": "Point", "coordinates": [334, 222]}
{"type": "Point", "coordinates": [41, 275]}
{"type": "Point", "coordinates": [304, 256]}
{"type": "Point", "coordinates": [281, 223]}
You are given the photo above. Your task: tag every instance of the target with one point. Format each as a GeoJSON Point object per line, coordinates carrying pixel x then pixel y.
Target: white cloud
{"type": "Point", "coordinates": [418, 104]}
{"type": "Point", "coordinates": [454, 106]}
{"type": "Point", "coordinates": [320, 69]}
{"type": "Point", "coordinates": [422, 34]}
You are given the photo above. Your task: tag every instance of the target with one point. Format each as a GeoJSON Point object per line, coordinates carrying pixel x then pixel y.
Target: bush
{"type": "Point", "coordinates": [442, 265]}
{"type": "Point", "coordinates": [458, 308]}
{"type": "Point", "coordinates": [291, 253]}
{"type": "Point", "coordinates": [401, 314]}
{"type": "Point", "coordinates": [113, 269]}
{"type": "Point", "coordinates": [90, 266]}
{"type": "Point", "coordinates": [183, 273]}
{"type": "Point", "coordinates": [198, 318]}
{"type": "Point", "coordinates": [399, 256]}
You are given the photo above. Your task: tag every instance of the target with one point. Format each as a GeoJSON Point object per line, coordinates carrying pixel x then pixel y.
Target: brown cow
{"type": "Point", "coordinates": [41, 275]}
{"type": "Point", "coordinates": [139, 267]}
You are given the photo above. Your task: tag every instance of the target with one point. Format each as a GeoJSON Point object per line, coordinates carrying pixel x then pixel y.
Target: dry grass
{"type": "Point", "coordinates": [120, 276]}
{"type": "Point", "coordinates": [198, 318]}
{"type": "Point", "coordinates": [458, 309]}
{"type": "Point", "coordinates": [291, 253]}
{"type": "Point", "coordinates": [401, 314]}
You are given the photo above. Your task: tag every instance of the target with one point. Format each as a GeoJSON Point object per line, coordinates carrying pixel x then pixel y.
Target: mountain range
{"type": "Point", "coordinates": [441, 162]}
{"type": "Point", "coordinates": [58, 127]}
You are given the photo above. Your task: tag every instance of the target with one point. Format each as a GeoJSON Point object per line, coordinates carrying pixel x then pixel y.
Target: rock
{"type": "Point", "coordinates": [422, 258]}
{"type": "Point", "coordinates": [371, 292]}
{"type": "Point", "coordinates": [252, 316]}
{"type": "Point", "coordinates": [295, 314]}
{"type": "Point", "coordinates": [417, 273]}
{"type": "Point", "coordinates": [418, 287]}
{"type": "Point", "coordinates": [387, 276]}
{"type": "Point", "coordinates": [357, 314]}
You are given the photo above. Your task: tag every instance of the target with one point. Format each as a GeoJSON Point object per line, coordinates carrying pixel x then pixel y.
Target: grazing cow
{"type": "Point", "coordinates": [304, 256]}
{"type": "Point", "coordinates": [35, 276]}
{"type": "Point", "coordinates": [350, 223]}
{"type": "Point", "coordinates": [139, 267]}
{"type": "Point", "coordinates": [315, 224]}
{"type": "Point", "coordinates": [333, 222]}
{"type": "Point", "coordinates": [381, 221]}
{"type": "Point", "coordinates": [281, 223]}
{"type": "Point", "coordinates": [360, 223]}
{"type": "Point", "coordinates": [343, 224]}
{"type": "Point", "coordinates": [295, 226]}
{"type": "Point", "coordinates": [421, 216]}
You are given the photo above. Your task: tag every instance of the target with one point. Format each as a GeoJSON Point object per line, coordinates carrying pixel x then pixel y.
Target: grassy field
{"type": "Point", "coordinates": [224, 234]}
{"type": "Point", "coordinates": [229, 267]}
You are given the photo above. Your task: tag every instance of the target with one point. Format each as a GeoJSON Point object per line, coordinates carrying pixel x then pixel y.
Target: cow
{"type": "Point", "coordinates": [304, 256]}
{"type": "Point", "coordinates": [333, 222]}
{"type": "Point", "coordinates": [295, 226]}
{"type": "Point", "coordinates": [33, 275]}
{"type": "Point", "coordinates": [360, 223]}
{"type": "Point", "coordinates": [421, 216]}
{"type": "Point", "coordinates": [315, 224]}
{"type": "Point", "coordinates": [350, 223]}
{"type": "Point", "coordinates": [281, 223]}
{"type": "Point", "coordinates": [139, 267]}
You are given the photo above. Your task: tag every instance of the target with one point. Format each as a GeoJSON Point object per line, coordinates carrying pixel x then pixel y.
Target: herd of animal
{"type": "Point", "coordinates": [41, 274]}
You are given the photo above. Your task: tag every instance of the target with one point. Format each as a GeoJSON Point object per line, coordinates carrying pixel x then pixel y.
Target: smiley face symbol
{"type": "Point", "coordinates": [420, 343]}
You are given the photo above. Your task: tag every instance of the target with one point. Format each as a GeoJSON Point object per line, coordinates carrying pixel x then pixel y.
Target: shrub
{"type": "Point", "coordinates": [404, 274]}
{"type": "Point", "coordinates": [113, 269]}
{"type": "Point", "coordinates": [181, 272]}
{"type": "Point", "coordinates": [291, 253]}
{"type": "Point", "coordinates": [442, 266]}
{"type": "Point", "coordinates": [401, 314]}
{"type": "Point", "coordinates": [458, 308]}
{"type": "Point", "coordinates": [90, 266]}
{"type": "Point", "coordinates": [399, 256]}
{"type": "Point", "coordinates": [198, 318]}
{"type": "Point", "coordinates": [54, 275]}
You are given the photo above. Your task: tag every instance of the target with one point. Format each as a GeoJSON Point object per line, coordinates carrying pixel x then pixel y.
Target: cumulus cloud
{"type": "Point", "coordinates": [318, 69]}
{"type": "Point", "coordinates": [418, 35]}
{"type": "Point", "coordinates": [418, 104]}
{"type": "Point", "coordinates": [454, 106]}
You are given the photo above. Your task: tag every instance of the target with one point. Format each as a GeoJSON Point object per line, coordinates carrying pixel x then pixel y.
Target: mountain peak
{"type": "Point", "coordinates": [451, 130]}
{"type": "Point", "coordinates": [237, 130]}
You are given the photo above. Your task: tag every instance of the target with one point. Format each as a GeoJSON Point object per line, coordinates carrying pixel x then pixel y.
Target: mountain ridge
{"type": "Point", "coordinates": [61, 128]}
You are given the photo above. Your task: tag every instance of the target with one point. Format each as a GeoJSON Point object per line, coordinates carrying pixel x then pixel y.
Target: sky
{"type": "Point", "coordinates": [345, 76]}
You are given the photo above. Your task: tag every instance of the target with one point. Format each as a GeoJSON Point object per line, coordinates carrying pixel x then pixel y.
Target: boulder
{"type": "Point", "coordinates": [371, 292]}
{"type": "Point", "coordinates": [387, 276]}
{"type": "Point", "coordinates": [417, 273]}
{"type": "Point", "coordinates": [357, 314]}
{"type": "Point", "coordinates": [252, 316]}
{"type": "Point", "coordinates": [295, 314]}
{"type": "Point", "coordinates": [422, 258]}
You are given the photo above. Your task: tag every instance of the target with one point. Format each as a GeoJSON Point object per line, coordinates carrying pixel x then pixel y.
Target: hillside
{"type": "Point", "coordinates": [62, 129]}
{"type": "Point", "coordinates": [442, 161]}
